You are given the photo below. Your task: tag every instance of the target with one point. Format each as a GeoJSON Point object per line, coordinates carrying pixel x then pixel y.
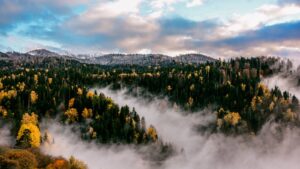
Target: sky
{"type": "Point", "coordinates": [216, 28]}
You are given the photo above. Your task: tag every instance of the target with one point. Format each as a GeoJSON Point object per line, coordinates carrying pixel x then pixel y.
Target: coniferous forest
{"type": "Point", "coordinates": [149, 84]}
{"type": "Point", "coordinates": [65, 91]}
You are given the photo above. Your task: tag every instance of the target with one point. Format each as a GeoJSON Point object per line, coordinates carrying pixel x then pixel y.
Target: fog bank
{"type": "Point", "coordinates": [209, 151]}
{"type": "Point", "coordinates": [216, 150]}
{"type": "Point", "coordinates": [68, 143]}
{"type": "Point", "coordinates": [5, 138]}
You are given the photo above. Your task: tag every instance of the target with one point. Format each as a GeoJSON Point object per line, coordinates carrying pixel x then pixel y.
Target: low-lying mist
{"type": "Point", "coordinates": [193, 149]}
{"type": "Point", "coordinates": [68, 143]}
{"type": "Point", "coordinates": [285, 82]}
{"type": "Point", "coordinates": [5, 138]}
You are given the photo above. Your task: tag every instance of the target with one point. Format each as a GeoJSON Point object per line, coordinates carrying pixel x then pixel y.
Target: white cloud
{"type": "Point", "coordinates": [156, 14]}
{"type": "Point", "coordinates": [112, 19]}
{"type": "Point", "coordinates": [25, 44]}
{"type": "Point", "coordinates": [145, 51]}
{"type": "Point", "coordinates": [159, 4]}
{"type": "Point", "coordinates": [122, 26]}
{"type": "Point", "coordinates": [131, 32]}
{"type": "Point", "coordinates": [264, 15]}
{"type": "Point", "coordinates": [193, 3]}
{"type": "Point", "coordinates": [167, 4]}
{"type": "Point", "coordinates": [119, 7]}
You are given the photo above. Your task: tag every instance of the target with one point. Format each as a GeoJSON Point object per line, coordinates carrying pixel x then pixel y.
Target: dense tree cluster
{"type": "Point", "coordinates": [29, 94]}
{"type": "Point", "coordinates": [33, 158]}
{"type": "Point", "coordinates": [231, 87]}
{"type": "Point", "coordinates": [63, 88]}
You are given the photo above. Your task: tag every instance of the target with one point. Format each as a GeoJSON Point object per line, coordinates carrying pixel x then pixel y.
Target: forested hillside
{"type": "Point", "coordinates": [62, 90]}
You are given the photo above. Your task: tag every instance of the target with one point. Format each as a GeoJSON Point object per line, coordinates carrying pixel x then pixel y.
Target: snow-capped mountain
{"type": "Point", "coordinates": [42, 52]}
{"type": "Point", "coordinates": [150, 59]}
{"type": "Point", "coordinates": [40, 55]}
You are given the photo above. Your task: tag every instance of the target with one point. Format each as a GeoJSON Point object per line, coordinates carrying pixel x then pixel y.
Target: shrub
{"type": "Point", "coordinates": [25, 159]}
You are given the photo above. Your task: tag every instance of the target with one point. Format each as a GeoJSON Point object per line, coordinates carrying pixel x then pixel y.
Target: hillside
{"type": "Point", "coordinates": [42, 55]}
{"type": "Point", "coordinates": [63, 105]}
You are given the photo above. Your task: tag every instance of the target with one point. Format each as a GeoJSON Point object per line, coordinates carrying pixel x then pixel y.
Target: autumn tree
{"type": "Point", "coordinates": [29, 133]}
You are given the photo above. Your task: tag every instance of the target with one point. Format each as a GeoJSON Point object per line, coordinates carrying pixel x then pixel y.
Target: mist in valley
{"type": "Point", "coordinates": [286, 80]}
{"type": "Point", "coordinates": [267, 150]}
{"type": "Point", "coordinates": [5, 137]}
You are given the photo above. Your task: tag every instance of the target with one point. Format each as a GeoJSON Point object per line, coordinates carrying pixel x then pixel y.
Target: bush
{"type": "Point", "coordinates": [42, 159]}
{"type": "Point", "coordinates": [25, 159]}
{"type": "Point", "coordinates": [59, 164]}
{"type": "Point", "coordinates": [8, 164]}
{"type": "Point", "coordinates": [77, 164]}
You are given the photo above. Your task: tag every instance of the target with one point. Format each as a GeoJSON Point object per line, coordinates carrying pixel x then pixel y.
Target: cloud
{"type": "Point", "coordinates": [132, 32]}
{"type": "Point", "coordinates": [274, 40]}
{"type": "Point", "coordinates": [128, 31]}
{"type": "Point", "coordinates": [297, 2]}
{"type": "Point", "coordinates": [279, 33]}
{"type": "Point", "coordinates": [193, 3]}
{"type": "Point", "coordinates": [105, 28]}
{"type": "Point", "coordinates": [168, 4]}
{"type": "Point", "coordinates": [268, 14]}
{"type": "Point", "coordinates": [139, 24]}
{"type": "Point", "coordinates": [13, 13]}
{"type": "Point", "coordinates": [163, 4]}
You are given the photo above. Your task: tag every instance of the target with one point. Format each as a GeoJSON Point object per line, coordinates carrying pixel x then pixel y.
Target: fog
{"type": "Point", "coordinates": [194, 150]}
{"type": "Point", "coordinates": [5, 138]}
{"type": "Point", "coordinates": [68, 143]}
{"type": "Point", "coordinates": [216, 150]}
{"type": "Point", "coordinates": [284, 83]}
{"type": "Point", "coordinates": [287, 80]}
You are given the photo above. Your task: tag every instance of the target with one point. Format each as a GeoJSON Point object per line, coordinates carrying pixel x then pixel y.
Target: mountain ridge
{"type": "Point", "coordinates": [112, 59]}
{"type": "Point", "coordinates": [42, 52]}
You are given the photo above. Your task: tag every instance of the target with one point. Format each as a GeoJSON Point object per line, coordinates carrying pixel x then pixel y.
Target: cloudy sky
{"type": "Point", "coordinates": [218, 28]}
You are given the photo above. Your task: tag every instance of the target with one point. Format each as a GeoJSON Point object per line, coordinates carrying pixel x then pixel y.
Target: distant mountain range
{"type": "Point", "coordinates": [109, 59]}
{"type": "Point", "coordinates": [42, 52]}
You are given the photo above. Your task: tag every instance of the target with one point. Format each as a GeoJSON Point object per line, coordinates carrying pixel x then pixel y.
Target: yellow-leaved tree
{"type": "Point", "coordinates": [3, 111]}
{"type": "Point", "coordinates": [71, 102]}
{"type": "Point", "coordinates": [21, 86]}
{"type": "Point", "coordinates": [50, 80]}
{"type": "Point", "coordinates": [169, 88]}
{"type": "Point", "coordinates": [192, 87]}
{"type": "Point", "coordinates": [232, 118]}
{"type": "Point", "coordinates": [90, 94]}
{"type": "Point", "coordinates": [87, 113]}
{"type": "Point", "coordinates": [1, 85]}
{"type": "Point", "coordinates": [29, 134]}
{"type": "Point", "coordinates": [79, 91]}
{"type": "Point", "coordinates": [72, 115]}
{"type": "Point", "coordinates": [11, 93]}
{"type": "Point", "coordinates": [207, 69]}
{"type": "Point", "coordinates": [152, 133]}
{"type": "Point", "coordinates": [33, 97]}
{"type": "Point", "coordinates": [243, 87]}
{"type": "Point", "coordinates": [36, 79]}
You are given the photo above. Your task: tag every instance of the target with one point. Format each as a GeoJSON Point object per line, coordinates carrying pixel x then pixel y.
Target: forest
{"type": "Point", "coordinates": [64, 91]}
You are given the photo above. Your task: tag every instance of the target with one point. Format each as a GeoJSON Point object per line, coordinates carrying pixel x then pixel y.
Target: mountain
{"type": "Point", "coordinates": [42, 52]}
{"type": "Point", "coordinates": [3, 55]}
{"type": "Point", "coordinates": [42, 55]}
{"type": "Point", "coordinates": [193, 58]}
{"type": "Point", "coordinates": [36, 57]}
{"type": "Point", "coordinates": [133, 59]}
{"type": "Point", "coordinates": [150, 59]}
